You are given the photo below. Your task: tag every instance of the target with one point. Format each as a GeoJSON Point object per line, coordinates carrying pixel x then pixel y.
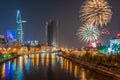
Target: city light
{"type": "Point", "coordinates": [47, 48]}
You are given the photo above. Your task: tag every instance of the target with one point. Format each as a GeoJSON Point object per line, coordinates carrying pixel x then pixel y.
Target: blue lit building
{"type": "Point", "coordinates": [19, 31]}
{"type": "Point", "coordinates": [115, 45]}
{"type": "Point", "coordinates": [11, 35]}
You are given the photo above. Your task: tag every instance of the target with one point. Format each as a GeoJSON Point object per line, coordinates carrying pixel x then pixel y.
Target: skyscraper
{"type": "Point", "coordinates": [19, 31]}
{"type": "Point", "coordinates": [52, 33]}
{"type": "Point", "coordinates": [2, 41]}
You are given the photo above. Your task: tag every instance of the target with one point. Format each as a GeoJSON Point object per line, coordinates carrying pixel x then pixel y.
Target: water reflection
{"type": "Point", "coordinates": [45, 66]}
{"type": "Point", "coordinates": [3, 71]}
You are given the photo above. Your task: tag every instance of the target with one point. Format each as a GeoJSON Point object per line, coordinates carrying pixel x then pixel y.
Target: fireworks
{"type": "Point", "coordinates": [96, 12]}
{"type": "Point", "coordinates": [88, 34]}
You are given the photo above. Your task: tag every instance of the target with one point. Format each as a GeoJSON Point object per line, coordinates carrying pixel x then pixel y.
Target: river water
{"type": "Point", "coordinates": [46, 67]}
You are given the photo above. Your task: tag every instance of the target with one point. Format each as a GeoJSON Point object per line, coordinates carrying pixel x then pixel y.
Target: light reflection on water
{"type": "Point", "coordinates": [45, 67]}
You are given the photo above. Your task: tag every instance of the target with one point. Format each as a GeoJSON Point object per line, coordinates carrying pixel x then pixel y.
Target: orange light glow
{"type": "Point", "coordinates": [118, 34]}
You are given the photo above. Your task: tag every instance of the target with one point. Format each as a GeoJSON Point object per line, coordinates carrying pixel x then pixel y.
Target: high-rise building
{"type": "Point", "coordinates": [19, 31]}
{"type": "Point", "coordinates": [2, 41]}
{"type": "Point", "coordinates": [115, 44]}
{"type": "Point", "coordinates": [52, 33]}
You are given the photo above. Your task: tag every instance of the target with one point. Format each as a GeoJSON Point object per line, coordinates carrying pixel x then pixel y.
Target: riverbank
{"type": "Point", "coordinates": [5, 60]}
{"type": "Point", "coordinates": [95, 68]}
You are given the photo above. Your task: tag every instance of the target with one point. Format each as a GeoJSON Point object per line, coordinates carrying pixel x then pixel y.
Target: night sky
{"type": "Point", "coordinates": [37, 12]}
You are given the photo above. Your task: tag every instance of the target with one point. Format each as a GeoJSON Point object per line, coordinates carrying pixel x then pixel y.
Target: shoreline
{"type": "Point", "coordinates": [94, 68]}
{"type": "Point", "coordinates": [5, 60]}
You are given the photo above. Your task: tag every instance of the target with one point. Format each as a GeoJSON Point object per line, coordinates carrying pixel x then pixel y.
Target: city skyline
{"type": "Point", "coordinates": [60, 40]}
{"type": "Point", "coordinates": [38, 12]}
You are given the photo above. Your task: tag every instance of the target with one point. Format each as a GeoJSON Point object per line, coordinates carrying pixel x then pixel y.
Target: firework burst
{"type": "Point", "coordinates": [96, 12]}
{"type": "Point", "coordinates": [88, 34]}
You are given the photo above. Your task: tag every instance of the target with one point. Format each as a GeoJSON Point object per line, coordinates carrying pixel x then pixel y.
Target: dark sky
{"type": "Point", "coordinates": [37, 12]}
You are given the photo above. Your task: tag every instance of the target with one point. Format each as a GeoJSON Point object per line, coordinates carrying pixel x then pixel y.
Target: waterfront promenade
{"type": "Point", "coordinates": [97, 68]}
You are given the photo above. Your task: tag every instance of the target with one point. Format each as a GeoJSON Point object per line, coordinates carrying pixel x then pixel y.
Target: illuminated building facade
{"type": "Point", "coordinates": [115, 45]}
{"type": "Point", "coordinates": [11, 35]}
{"type": "Point", "coordinates": [19, 31]}
{"type": "Point", "coordinates": [32, 42]}
{"type": "Point", "coordinates": [52, 33]}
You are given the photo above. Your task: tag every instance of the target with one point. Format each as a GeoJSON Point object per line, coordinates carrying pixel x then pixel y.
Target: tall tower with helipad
{"type": "Point", "coordinates": [19, 31]}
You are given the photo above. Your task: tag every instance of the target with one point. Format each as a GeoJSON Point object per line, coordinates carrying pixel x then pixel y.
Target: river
{"type": "Point", "coordinates": [46, 66]}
